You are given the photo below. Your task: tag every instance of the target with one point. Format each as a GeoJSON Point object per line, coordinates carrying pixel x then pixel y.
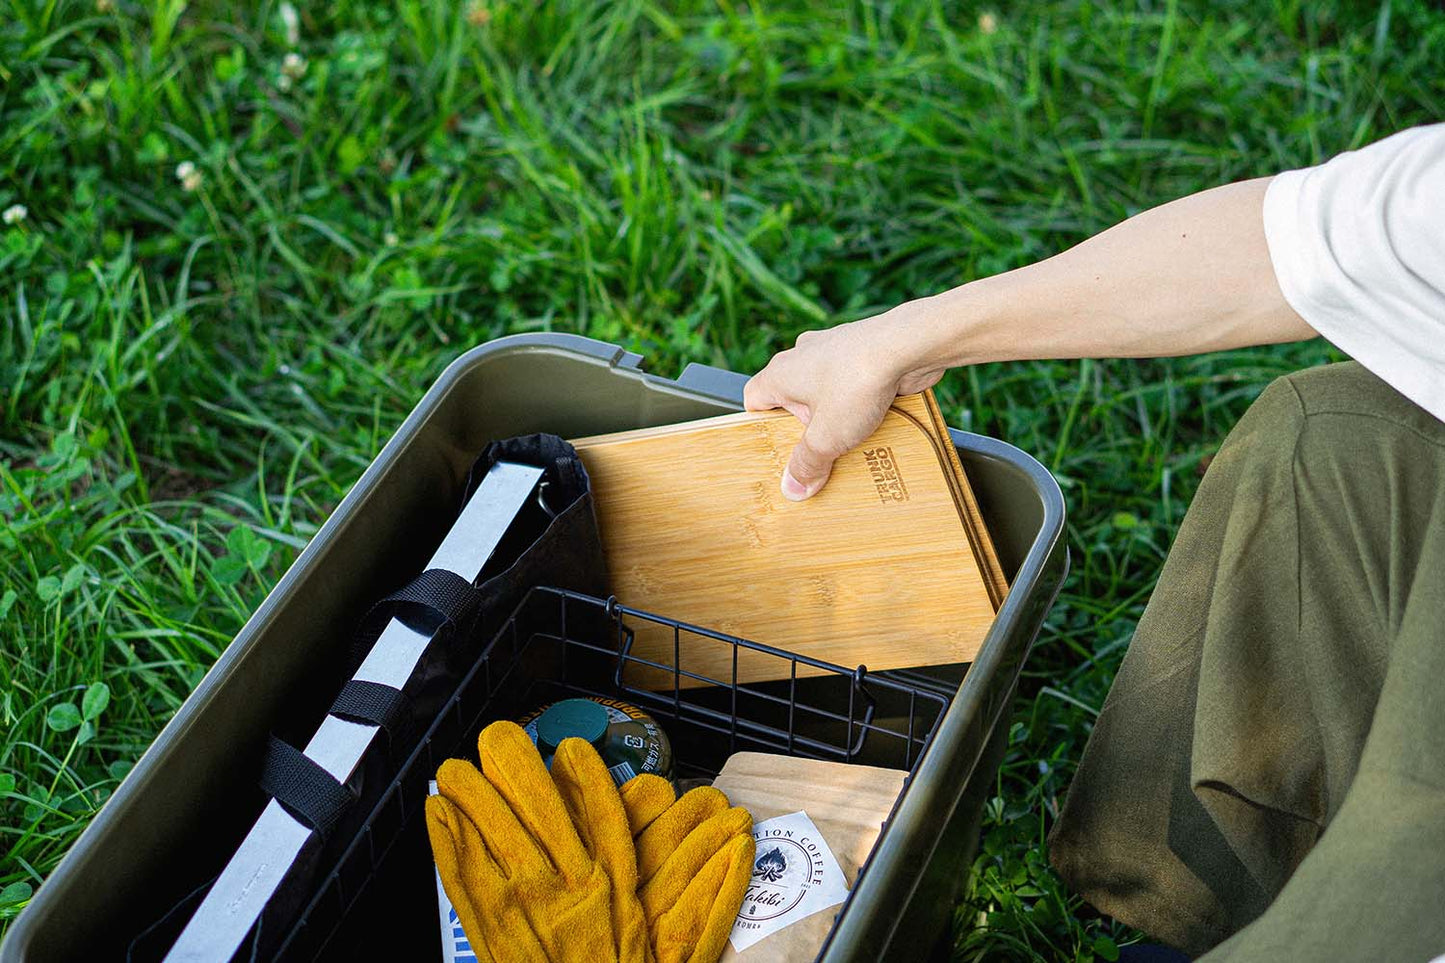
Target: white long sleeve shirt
{"type": "Point", "coordinates": [1358, 245]}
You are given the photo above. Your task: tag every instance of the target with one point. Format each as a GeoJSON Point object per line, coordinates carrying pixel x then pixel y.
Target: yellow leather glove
{"type": "Point", "coordinates": [694, 862]}
{"type": "Point", "coordinates": [523, 883]}
{"type": "Point", "coordinates": [645, 797]}
{"type": "Point", "coordinates": [592, 800]}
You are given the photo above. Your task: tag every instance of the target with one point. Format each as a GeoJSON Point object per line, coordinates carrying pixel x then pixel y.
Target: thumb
{"type": "Point", "coordinates": [812, 460]}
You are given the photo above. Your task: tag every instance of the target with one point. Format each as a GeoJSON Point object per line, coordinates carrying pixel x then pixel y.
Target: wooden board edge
{"type": "Point", "coordinates": [995, 581]}
{"type": "Point", "coordinates": [659, 431]}
{"type": "Point", "coordinates": [930, 421]}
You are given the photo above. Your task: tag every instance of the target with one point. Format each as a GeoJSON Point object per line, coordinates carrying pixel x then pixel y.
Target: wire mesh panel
{"type": "Point", "coordinates": [559, 644]}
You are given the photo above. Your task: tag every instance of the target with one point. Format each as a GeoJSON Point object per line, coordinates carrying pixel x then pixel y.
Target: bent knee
{"type": "Point", "coordinates": [1348, 388]}
{"type": "Point", "coordinates": [1335, 420]}
{"type": "Point", "coordinates": [1364, 449]}
{"type": "Point", "coordinates": [1336, 403]}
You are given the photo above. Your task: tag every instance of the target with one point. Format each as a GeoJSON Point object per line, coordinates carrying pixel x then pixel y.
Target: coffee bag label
{"type": "Point", "coordinates": [794, 876]}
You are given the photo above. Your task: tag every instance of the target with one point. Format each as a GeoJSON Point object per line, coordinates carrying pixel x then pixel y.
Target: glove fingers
{"type": "Point", "coordinates": [737, 858]}
{"type": "Point", "coordinates": [662, 838]}
{"type": "Point", "coordinates": [512, 764]}
{"type": "Point", "coordinates": [474, 799]}
{"type": "Point", "coordinates": [478, 890]}
{"type": "Point", "coordinates": [590, 796]}
{"type": "Point", "coordinates": [462, 861]}
{"type": "Point", "coordinates": [688, 860]}
{"type": "Point", "coordinates": [645, 797]}
{"type": "Point", "coordinates": [595, 806]}
{"type": "Point", "coordinates": [697, 927]}
{"type": "Point", "coordinates": [445, 827]}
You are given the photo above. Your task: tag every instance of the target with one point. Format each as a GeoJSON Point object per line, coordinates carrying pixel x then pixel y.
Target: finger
{"type": "Point", "coordinates": [798, 410]}
{"type": "Point", "coordinates": [511, 763]}
{"type": "Point", "coordinates": [701, 845]}
{"type": "Point", "coordinates": [464, 878]}
{"type": "Point", "coordinates": [737, 858]}
{"type": "Point", "coordinates": [759, 393]}
{"type": "Point", "coordinates": [595, 808]}
{"type": "Point", "coordinates": [477, 888]}
{"type": "Point", "coordinates": [461, 857]}
{"type": "Point", "coordinates": [645, 797]}
{"type": "Point", "coordinates": [475, 798]}
{"type": "Point", "coordinates": [812, 460]}
{"type": "Point", "coordinates": [697, 927]}
{"type": "Point", "coordinates": [661, 839]}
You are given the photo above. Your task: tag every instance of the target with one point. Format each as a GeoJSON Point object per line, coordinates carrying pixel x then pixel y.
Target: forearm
{"type": "Point", "coordinates": [1189, 276]}
{"type": "Point", "coordinates": [1193, 275]}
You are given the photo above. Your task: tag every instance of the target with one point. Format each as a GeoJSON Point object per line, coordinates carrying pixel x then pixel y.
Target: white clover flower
{"type": "Point", "coordinates": [293, 65]}
{"type": "Point", "coordinates": [987, 23]}
{"type": "Point", "coordinates": [292, 22]}
{"type": "Point", "coordinates": [15, 213]}
{"type": "Point", "coordinates": [189, 176]}
{"type": "Point", "coordinates": [390, 239]}
{"type": "Point", "coordinates": [104, 6]}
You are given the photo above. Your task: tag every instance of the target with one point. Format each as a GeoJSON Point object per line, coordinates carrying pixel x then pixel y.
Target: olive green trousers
{"type": "Point", "coordinates": [1266, 780]}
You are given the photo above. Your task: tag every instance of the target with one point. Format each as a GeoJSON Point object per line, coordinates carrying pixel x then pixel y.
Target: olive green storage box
{"type": "Point", "coordinates": [192, 796]}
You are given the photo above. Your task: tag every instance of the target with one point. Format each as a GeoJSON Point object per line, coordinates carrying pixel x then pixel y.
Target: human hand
{"type": "Point", "coordinates": [839, 383]}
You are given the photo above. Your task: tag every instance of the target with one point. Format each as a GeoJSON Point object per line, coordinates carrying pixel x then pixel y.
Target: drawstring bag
{"type": "Point", "coordinates": [553, 540]}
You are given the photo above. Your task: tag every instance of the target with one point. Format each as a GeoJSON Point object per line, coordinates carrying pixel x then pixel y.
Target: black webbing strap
{"type": "Point", "coordinates": [371, 702]}
{"type": "Point", "coordinates": [303, 788]}
{"type": "Point", "coordinates": [445, 593]}
{"type": "Point", "coordinates": [437, 590]}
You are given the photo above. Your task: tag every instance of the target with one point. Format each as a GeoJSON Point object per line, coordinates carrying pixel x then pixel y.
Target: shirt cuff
{"type": "Point", "coordinates": [1287, 240]}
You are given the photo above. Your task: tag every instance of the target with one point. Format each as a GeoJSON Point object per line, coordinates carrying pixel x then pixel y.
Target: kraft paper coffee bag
{"type": "Point", "coordinates": [815, 823]}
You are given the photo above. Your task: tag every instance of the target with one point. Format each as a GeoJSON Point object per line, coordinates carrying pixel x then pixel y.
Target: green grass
{"type": "Point", "coordinates": [191, 379]}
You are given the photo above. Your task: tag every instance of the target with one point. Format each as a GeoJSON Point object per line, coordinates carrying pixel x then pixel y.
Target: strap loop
{"type": "Point", "coordinates": [444, 592]}
{"type": "Point", "coordinates": [303, 788]}
{"type": "Point", "coordinates": [374, 703]}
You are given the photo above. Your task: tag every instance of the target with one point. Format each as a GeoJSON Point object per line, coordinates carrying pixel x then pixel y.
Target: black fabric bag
{"type": "Point", "coordinates": [553, 541]}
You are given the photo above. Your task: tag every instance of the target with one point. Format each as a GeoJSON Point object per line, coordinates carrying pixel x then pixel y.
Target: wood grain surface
{"type": "Point", "coordinates": [881, 568]}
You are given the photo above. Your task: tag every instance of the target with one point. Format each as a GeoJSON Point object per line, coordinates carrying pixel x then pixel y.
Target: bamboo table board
{"type": "Point", "coordinates": [888, 566]}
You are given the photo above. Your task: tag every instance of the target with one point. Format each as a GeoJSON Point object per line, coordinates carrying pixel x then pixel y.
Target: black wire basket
{"type": "Point", "coordinates": [380, 898]}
